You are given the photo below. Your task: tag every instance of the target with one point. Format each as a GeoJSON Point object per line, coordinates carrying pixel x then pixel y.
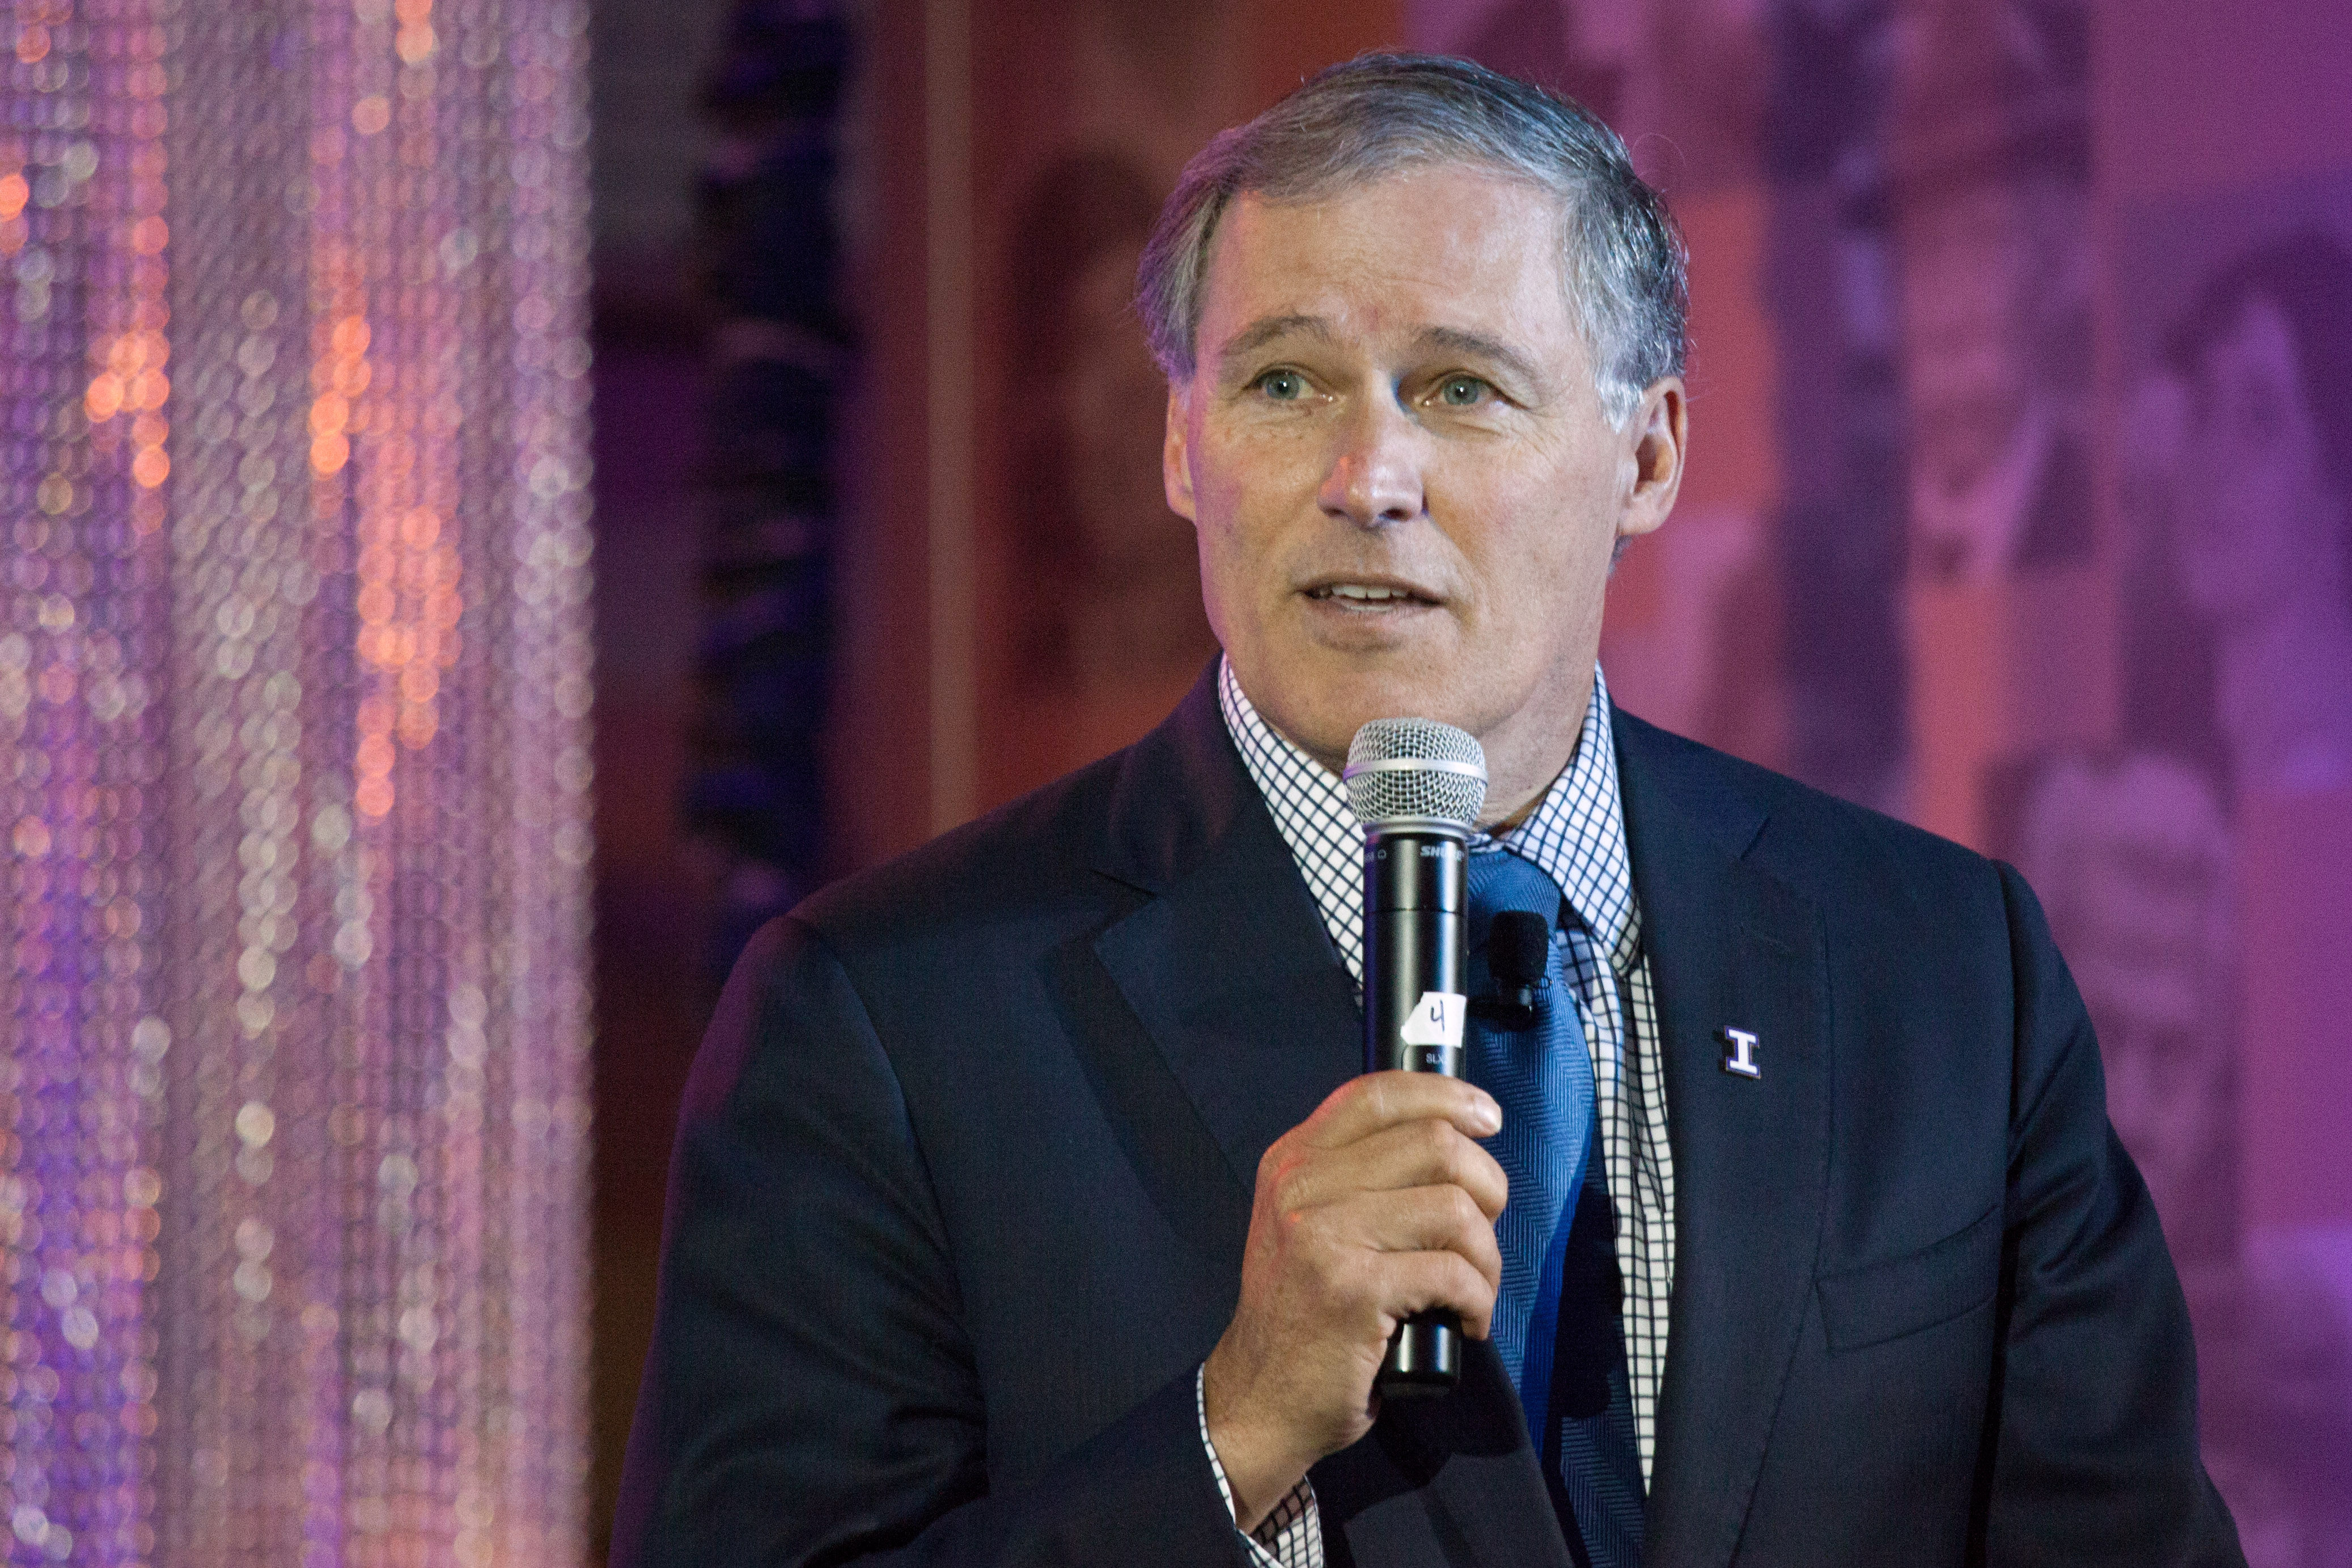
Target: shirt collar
{"type": "Point", "coordinates": [1576, 835]}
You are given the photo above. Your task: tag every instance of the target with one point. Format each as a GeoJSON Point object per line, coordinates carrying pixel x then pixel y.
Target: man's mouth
{"type": "Point", "coordinates": [1366, 596]}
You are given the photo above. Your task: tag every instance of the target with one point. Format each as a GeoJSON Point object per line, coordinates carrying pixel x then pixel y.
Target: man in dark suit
{"type": "Point", "coordinates": [1028, 1206]}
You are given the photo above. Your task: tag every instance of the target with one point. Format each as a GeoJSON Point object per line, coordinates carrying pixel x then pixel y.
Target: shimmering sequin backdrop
{"type": "Point", "coordinates": [293, 693]}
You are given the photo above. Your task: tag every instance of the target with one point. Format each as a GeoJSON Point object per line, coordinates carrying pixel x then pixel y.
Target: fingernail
{"type": "Point", "coordinates": [1490, 1115]}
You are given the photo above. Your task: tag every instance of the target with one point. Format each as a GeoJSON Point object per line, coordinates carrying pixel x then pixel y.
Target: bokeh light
{"type": "Point", "coordinates": [293, 770]}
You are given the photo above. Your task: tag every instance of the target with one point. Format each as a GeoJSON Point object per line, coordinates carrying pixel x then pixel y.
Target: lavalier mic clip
{"type": "Point", "coordinates": [1518, 956]}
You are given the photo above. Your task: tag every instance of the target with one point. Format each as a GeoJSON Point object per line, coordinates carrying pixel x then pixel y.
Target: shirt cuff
{"type": "Point", "coordinates": [1291, 1534]}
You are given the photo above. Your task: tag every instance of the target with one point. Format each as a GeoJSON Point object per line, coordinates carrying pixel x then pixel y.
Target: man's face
{"type": "Point", "coordinates": [1406, 489]}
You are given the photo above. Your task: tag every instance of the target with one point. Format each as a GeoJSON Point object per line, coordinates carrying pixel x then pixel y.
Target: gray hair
{"type": "Point", "coordinates": [1623, 259]}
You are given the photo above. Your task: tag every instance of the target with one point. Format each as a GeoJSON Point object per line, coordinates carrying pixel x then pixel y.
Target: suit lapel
{"type": "Point", "coordinates": [1218, 1007]}
{"type": "Point", "coordinates": [1729, 947]}
{"type": "Point", "coordinates": [1226, 968]}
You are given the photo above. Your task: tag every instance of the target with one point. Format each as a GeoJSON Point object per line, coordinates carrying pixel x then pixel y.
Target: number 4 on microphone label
{"type": "Point", "coordinates": [1436, 1020]}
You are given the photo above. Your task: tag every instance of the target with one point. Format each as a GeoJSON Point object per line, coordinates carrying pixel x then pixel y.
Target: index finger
{"type": "Point", "coordinates": [1379, 1101]}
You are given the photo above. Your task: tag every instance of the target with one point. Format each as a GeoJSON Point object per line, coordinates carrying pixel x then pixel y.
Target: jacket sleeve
{"type": "Point", "coordinates": [2094, 1454]}
{"type": "Point", "coordinates": [811, 1395]}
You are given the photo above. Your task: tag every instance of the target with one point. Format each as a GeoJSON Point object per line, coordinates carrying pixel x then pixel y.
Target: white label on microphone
{"type": "Point", "coordinates": [1436, 1020]}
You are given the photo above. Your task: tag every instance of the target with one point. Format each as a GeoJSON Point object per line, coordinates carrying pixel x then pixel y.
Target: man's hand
{"type": "Point", "coordinates": [1380, 1205]}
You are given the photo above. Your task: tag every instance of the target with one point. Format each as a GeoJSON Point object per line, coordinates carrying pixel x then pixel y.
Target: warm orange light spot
{"type": "Point", "coordinates": [351, 376]}
{"type": "Point", "coordinates": [14, 193]}
{"type": "Point", "coordinates": [411, 12]}
{"type": "Point", "coordinates": [330, 415]}
{"type": "Point", "coordinates": [104, 399]}
{"type": "Point", "coordinates": [149, 236]}
{"type": "Point", "coordinates": [373, 757]}
{"type": "Point", "coordinates": [151, 467]}
{"type": "Point", "coordinates": [351, 335]}
{"type": "Point", "coordinates": [329, 454]}
{"type": "Point", "coordinates": [416, 727]}
{"type": "Point", "coordinates": [395, 458]}
{"type": "Point", "coordinates": [415, 45]}
{"type": "Point", "coordinates": [152, 389]}
{"type": "Point", "coordinates": [420, 683]}
{"type": "Point", "coordinates": [374, 603]}
{"type": "Point", "coordinates": [150, 430]}
{"type": "Point", "coordinates": [373, 797]}
{"type": "Point", "coordinates": [14, 232]}
{"type": "Point", "coordinates": [33, 44]}
{"type": "Point", "coordinates": [370, 114]}
{"type": "Point", "coordinates": [420, 528]}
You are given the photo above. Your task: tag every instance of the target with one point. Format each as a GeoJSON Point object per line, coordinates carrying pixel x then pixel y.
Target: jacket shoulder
{"type": "Point", "coordinates": [1820, 845]}
{"type": "Point", "coordinates": [1031, 855]}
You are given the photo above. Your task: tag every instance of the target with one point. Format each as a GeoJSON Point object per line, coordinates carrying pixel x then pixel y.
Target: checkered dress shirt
{"type": "Point", "coordinates": [1576, 836]}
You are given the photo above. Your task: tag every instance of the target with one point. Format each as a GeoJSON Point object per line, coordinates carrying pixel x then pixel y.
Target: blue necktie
{"type": "Point", "coordinates": [1556, 1322]}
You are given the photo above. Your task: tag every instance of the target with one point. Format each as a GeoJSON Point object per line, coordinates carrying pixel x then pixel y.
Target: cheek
{"type": "Point", "coordinates": [1246, 486]}
{"type": "Point", "coordinates": [1547, 550]}
{"type": "Point", "coordinates": [1541, 576]}
{"type": "Point", "coordinates": [1233, 557]}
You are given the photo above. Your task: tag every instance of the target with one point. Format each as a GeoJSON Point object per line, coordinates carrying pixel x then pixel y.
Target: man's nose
{"type": "Point", "coordinates": [1375, 477]}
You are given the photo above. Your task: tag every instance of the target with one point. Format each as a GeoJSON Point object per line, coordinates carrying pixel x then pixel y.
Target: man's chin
{"type": "Point", "coordinates": [1322, 716]}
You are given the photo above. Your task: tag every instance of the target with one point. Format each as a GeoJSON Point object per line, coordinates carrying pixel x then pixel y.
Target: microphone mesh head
{"type": "Point", "coordinates": [1415, 767]}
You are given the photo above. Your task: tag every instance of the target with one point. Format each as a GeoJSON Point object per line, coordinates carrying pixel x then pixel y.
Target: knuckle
{"type": "Point", "coordinates": [1279, 1156]}
{"type": "Point", "coordinates": [1467, 1213]}
{"type": "Point", "coordinates": [1346, 1279]}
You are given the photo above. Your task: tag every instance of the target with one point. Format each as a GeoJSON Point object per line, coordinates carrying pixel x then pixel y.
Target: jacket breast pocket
{"type": "Point", "coordinates": [1943, 1280]}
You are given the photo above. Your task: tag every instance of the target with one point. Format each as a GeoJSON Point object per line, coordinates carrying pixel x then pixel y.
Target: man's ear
{"type": "Point", "coordinates": [1659, 435]}
{"type": "Point", "coordinates": [1175, 452]}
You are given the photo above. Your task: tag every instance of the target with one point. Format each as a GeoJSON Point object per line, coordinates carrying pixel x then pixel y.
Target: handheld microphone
{"type": "Point", "coordinates": [1416, 786]}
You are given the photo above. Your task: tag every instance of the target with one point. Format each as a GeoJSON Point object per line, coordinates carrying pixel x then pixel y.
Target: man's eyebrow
{"type": "Point", "coordinates": [1264, 330]}
{"type": "Point", "coordinates": [1444, 340]}
{"type": "Point", "coordinates": [1478, 345]}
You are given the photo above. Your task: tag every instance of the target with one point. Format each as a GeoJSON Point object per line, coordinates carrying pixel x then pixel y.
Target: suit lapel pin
{"type": "Point", "coordinates": [1739, 1053]}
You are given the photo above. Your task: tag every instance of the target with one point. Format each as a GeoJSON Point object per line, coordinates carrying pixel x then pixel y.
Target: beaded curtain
{"type": "Point", "coordinates": [293, 768]}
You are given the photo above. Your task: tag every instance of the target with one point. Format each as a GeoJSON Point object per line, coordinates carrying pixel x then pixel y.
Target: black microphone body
{"type": "Point", "coordinates": [1416, 932]}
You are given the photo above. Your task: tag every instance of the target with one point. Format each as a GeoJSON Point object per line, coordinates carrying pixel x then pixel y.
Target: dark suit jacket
{"type": "Point", "coordinates": [966, 1164]}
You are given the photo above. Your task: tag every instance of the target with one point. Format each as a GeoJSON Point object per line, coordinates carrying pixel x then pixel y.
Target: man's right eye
{"type": "Point", "coordinates": [1283, 385]}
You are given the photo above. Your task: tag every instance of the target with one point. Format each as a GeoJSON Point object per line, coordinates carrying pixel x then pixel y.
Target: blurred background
{"type": "Point", "coordinates": [2017, 508]}
{"type": "Point", "coordinates": [379, 380]}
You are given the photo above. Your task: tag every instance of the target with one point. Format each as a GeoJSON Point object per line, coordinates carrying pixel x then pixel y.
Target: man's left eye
{"type": "Point", "coordinates": [1462, 391]}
